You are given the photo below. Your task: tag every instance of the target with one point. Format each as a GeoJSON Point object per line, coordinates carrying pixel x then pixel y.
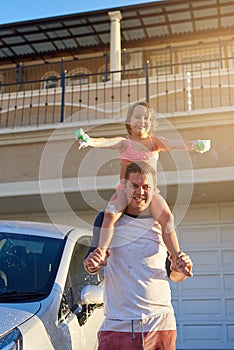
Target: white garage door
{"type": "Point", "coordinates": [204, 304]}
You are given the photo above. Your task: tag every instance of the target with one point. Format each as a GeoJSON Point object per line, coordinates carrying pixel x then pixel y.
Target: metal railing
{"type": "Point", "coordinates": [58, 92]}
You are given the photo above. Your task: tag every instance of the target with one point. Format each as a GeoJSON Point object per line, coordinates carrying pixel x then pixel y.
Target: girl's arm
{"type": "Point", "coordinates": [98, 142]}
{"type": "Point", "coordinates": [164, 144]}
{"type": "Point", "coordinates": [200, 146]}
{"type": "Point", "coordinates": [103, 142]}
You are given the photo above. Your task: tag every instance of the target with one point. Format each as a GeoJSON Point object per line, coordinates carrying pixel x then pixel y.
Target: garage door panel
{"type": "Point", "coordinates": [200, 284]}
{"type": "Point", "coordinates": [210, 335]}
{"type": "Point", "coordinates": [204, 259]}
{"type": "Point", "coordinates": [228, 258]}
{"type": "Point", "coordinates": [204, 304]}
{"type": "Point", "coordinates": [227, 234]}
{"type": "Point", "coordinates": [199, 213]}
{"type": "Point", "coordinates": [230, 333]}
{"type": "Point", "coordinates": [199, 309]}
{"type": "Point", "coordinates": [226, 211]}
{"type": "Point", "coordinates": [202, 308]}
{"type": "Point", "coordinates": [201, 237]}
{"type": "Point", "coordinates": [175, 288]}
{"type": "Point", "coordinates": [230, 307]}
{"type": "Point", "coordinates": [229, 283]}
{"type": "Point", "coordinates": [176, 306]}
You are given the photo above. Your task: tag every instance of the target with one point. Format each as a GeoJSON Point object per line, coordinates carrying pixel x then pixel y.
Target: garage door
{"type": "Point", "coordinates": [204, 304]}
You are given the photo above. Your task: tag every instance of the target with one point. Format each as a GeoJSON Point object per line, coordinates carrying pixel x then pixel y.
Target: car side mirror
{"type": "Point", "coordinates": [91, 298]}
{"type": "Point", "coordinates": [92, 294]}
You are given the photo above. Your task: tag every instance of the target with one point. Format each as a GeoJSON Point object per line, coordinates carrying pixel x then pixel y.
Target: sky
{"type": "Point", "coordinates": [23, 10]}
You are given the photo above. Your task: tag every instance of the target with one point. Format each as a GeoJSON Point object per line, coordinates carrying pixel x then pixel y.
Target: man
{"type": "Point", "coordinates": [137, 300]}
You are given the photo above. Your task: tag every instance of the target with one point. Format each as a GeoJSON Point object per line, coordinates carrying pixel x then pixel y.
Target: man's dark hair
{"type": "Point", "coordinates": [140, 168]}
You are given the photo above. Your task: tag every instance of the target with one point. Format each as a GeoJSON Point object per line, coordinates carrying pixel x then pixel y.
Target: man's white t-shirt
{"type": "Point", "coordinates": [136, 283]}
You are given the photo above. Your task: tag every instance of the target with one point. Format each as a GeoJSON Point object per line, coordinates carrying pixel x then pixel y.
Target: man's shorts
{"type": "Point", "coordinates": [154, 333]}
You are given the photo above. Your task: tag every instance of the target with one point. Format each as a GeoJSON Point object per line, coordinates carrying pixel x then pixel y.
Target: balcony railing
{"type": "Point", "coordinates": [58, 92]}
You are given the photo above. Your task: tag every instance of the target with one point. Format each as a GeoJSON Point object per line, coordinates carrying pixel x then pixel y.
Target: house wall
{"type": "Point", "coordinates": [21, 152]}
{"type": "Point", "coordinates": [41, 165]}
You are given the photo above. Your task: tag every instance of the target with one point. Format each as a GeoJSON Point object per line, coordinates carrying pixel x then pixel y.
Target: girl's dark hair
{"type": "Point", "coordinates": [154, 123]}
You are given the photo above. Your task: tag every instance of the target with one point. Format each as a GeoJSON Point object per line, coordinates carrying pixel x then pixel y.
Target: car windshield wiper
{"type": "Point", "coordinates": [14, 294]}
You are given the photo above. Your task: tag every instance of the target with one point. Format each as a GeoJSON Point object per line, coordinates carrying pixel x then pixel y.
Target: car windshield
{"type": "Point", "coordinates": [28, 266]}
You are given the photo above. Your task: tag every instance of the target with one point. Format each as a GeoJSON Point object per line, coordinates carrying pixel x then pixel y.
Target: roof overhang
{"type": "Point", "coordinates": [141, 25]}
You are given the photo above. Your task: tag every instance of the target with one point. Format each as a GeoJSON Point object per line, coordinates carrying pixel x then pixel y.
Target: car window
{"type": "Point", "coordinates": [77, 277]}
{"type": "Point", "coordinates": [28, 264]}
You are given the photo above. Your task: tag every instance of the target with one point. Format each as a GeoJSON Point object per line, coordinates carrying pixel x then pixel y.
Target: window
{"type": "Point", "coordinates": [200, 57]}
{"type": "Point", "coordinates": [50, 80]}
{"type": "Point", "coordinates": [1, 82]}
{"type": "Point", "coordinates": [198, 63]}
{"type": "Point", "coordinates": [103, 74]}
{"type": "Point", "coordinates": [79, 77]}
{"type": "Point", "coordinates": [160, 61]}
{"type": "Point", "coordinates": [29, 264]}
{"type": "Point", "coordinates": [160, 65]}
{"type": "Point", "coordinates": [232, 65]}
{"type": "Point", "coordinates": [78, 278]}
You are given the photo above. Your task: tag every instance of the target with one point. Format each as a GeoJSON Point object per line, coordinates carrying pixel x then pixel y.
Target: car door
{"type": "Point", "coordinates": [79, 322]}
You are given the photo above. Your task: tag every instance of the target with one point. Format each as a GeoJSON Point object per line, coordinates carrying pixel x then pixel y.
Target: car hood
{"type": "Point", "coordinates": [12, 315]}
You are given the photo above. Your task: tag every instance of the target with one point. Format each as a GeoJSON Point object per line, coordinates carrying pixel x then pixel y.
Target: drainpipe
{"type": "Point", "coordinates": [19, 75]}
{"type": "Point", "coordinates": [147, 94]}
{"type": "Point", "coordinates": [63, 85]}
{"type": "Point", "coordinates": [115, 45]}
{"type": "Point", "coordinates": [189, 95]}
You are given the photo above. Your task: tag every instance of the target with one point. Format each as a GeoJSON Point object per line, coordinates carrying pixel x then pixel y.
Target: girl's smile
{"type": "Point", "coordinates": [140, 121]}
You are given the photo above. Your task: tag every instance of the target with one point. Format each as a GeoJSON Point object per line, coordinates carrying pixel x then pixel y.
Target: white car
{"type": "Point", "coordinates": [47, 300]}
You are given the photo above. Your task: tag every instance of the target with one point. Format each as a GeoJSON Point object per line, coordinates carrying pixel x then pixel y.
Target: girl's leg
{"type": "Point", "coordinates": [162, 213]}
{"type": "Point", "coordinates": [107, 229]}
{"type": "Point", "coordinates": [112, 213]}
{"type": "Point", "coordinates": [106, 235]}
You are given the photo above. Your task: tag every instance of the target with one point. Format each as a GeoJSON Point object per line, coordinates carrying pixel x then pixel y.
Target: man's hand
{"type": "Point", "coordinates": [182, 264]}
{"type": "Point", "coordinates": [96, 260]}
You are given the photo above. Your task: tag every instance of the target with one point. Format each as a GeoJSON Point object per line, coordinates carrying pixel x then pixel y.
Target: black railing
{"type": "Point", "coordinates": [66, 91]}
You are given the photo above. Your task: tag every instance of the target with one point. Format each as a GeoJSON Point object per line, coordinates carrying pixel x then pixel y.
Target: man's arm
{"type": "Point", "coordinates": [94, 262]}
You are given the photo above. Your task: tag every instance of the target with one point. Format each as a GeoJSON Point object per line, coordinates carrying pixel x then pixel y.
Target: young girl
{"type": "Point", "coordinates": [140, 145]}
